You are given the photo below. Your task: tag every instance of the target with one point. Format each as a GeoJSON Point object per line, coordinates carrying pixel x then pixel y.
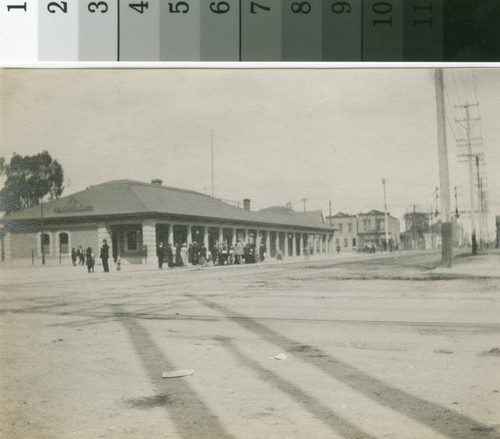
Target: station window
{"type": "Point", "coordinates": [63, 243]}
{"type": "Point", "coordinates": [45, 243]}
{"type": "Point", "coordinates": [132, 240]}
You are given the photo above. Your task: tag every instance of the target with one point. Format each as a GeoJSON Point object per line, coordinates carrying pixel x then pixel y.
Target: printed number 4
{"type": "Point", "coordinates": [139, 7]}
{"type": "Point", "coordinates": [63, 7]}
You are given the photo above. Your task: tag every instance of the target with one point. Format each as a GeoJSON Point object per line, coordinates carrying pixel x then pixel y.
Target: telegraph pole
{"type": "Point", "coordinates": [444, 179]}
{"type": "Point", "coordinates": [479, 203]}
{"type": "Point", "coordinates": [467, 121]}
{"type": "Point", "coordinates": [385, 215]}
{"type": "Point", "coordinates": [42, 235]}
{"type": "Point", "coordinates": [212, 158]}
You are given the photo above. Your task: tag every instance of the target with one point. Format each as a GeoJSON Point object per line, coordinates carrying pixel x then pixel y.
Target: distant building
{"type": "Point", "coordinates": [416, 225]}
{"type": "Point", "coordinates": [346, 230]}
{"type": "Point", "coordinates": [134, 217]}
{"type": "Point", "coordinates": [371, 229]}
{"type": "Point", "coordinates": [354, 232]}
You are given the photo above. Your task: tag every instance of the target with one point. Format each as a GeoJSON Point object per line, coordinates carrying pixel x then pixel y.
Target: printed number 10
{"type": "Point", "coordinates": [382, 8]}
{"type": "Point", "coordinates": [23, 7]}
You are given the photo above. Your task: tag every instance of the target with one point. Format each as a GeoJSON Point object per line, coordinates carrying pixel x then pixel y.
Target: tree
{"type": "Point", "coordinates": [28, 179]}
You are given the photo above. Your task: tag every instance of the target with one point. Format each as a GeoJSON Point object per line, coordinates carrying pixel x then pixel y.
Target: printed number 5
{"type": "Point", "coordinates": [63, 7]}
{"type": "Point", "coordinates": [179, 7]}
{"type": "Point", "coordinates": [93, 7]}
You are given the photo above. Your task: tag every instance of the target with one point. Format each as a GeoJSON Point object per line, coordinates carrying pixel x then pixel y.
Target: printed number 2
{"type": "Point", "coordinates": [63, 7]}
{"type": "Point", "coordinates": [139, 7]}
{"type": "Point", "coordinates": [23, 6]}
{"type": "Point", "coordinates": [93, 7]}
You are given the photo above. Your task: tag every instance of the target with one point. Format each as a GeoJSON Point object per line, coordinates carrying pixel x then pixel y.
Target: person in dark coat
{"type": "Point", "coordinates": [90, 259]}
{"type": "Point", "coordinates": [170, 256]}
{"type": "Point", "coordinates": [178, 255]}
{"type": "Point", "coordinates": [105, 255]}
{"type": "Point", "coordinates": [160, 252]}
{"type": "Point", "coordinates": [81, 255]}
{"type": "Point", "coordinates": [73, 255]}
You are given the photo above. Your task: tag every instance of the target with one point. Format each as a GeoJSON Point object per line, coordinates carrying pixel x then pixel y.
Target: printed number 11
{"type": "Point", "coordinates": [23, 6]}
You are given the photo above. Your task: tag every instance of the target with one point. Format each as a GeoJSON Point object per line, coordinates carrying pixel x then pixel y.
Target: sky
{"type": "Point", "coordinates": [279, 135]}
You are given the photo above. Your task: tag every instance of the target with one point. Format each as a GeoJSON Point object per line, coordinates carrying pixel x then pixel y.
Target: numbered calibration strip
{"type": "Point", "coordinates": [245, 30]}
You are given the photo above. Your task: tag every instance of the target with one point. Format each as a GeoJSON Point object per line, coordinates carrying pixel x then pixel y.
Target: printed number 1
{"type": "Point", "coordinates": [23, 6]}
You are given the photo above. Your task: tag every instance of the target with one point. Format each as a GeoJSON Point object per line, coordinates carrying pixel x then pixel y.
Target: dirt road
{"type": "Point", "coordinates": [371, 348]}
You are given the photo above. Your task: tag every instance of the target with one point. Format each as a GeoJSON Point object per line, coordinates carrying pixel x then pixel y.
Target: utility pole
{"type": "Point", "coordinates": [467, 126]}
{"type": "Point", "coordinates": [385, 216]}
{"type": "Point", "coordinates": [444, 179]}
{"type": "Point", "coordinates": [436, 198]}
{"type": "Point", "coordinates": [42, 235]}
{"type": "Point", "coordinates": [479, 204]}
{"type": "Point", "coordinates": [212, 159]}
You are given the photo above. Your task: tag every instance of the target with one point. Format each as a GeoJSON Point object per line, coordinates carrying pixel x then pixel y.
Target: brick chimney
{"type": "Point", "coordinates": [246, 204]}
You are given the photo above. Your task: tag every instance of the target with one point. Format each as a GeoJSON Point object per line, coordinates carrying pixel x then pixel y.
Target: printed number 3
{"type": "Point", "coordinates": [63, 7]}
{"type": "Point", "coordinates": [93, 7]}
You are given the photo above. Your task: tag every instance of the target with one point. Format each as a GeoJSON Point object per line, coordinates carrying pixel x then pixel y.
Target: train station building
{"type": "Point", "coordinates": [134, 217]}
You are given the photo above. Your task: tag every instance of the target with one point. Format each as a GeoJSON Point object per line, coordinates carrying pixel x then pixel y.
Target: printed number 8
{"type": "Point", "coordinates": [93, 7]}
{"type": "Point", "coordinates": [302, 7]}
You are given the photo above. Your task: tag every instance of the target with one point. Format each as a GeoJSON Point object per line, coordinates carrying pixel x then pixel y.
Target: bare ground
{"type": "Point", "coordinates": [374, 348]}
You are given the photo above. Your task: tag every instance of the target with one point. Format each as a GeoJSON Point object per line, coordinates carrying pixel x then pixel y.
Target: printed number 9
{"type": "Point", "coordinates": [341, 7]}
{"type": "Point", "coordinates": [302, 7]}
{"type": "Point", "coordinates": [93, 7]}
{"type": "Point", "coordinates": [219, 8]}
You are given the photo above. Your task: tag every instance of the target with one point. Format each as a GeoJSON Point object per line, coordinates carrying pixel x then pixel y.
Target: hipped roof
{"type": "Point", "coordinates": [128, 197]}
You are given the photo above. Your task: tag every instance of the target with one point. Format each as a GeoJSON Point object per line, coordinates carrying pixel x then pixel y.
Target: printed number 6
{"type": "Point", "coordinates": [219, 8]}
{"type": "Point", "coordinates": [93, 7]}
{"type": "Point", "coordinates": [63, 7]}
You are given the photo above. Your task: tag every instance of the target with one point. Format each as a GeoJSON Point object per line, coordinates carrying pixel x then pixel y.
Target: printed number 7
{"type": "Point", "coordinates": [254, 5]}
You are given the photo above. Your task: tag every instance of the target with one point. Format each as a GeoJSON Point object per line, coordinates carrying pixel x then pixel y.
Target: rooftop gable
{"type": "Point", "coordinates": [128, 197]}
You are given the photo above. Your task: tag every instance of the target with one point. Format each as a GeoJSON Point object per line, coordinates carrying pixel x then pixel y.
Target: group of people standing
{"type": "Point", "coordinates": [87, 257]}
{"type": "Point", "coordinates": [181, 255]}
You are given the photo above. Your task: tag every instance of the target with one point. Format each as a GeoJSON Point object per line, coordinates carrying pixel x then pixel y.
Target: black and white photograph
{"type": "Point", "coordinates": [248, 253]}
